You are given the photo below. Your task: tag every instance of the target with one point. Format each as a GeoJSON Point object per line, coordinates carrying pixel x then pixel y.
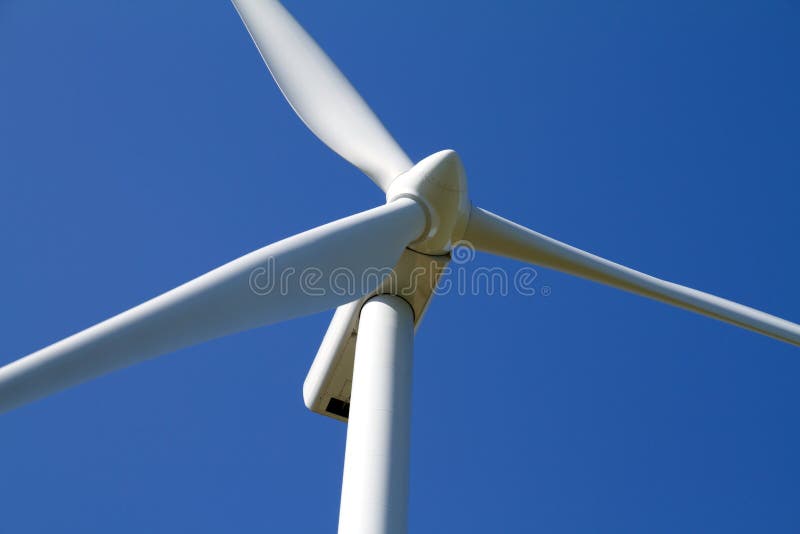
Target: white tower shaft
{"type": "Point", "coordinates": [376, 462]}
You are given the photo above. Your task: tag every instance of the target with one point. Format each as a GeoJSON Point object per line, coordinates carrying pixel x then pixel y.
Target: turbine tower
{"type": "Point", "coordinates": [362, 372]}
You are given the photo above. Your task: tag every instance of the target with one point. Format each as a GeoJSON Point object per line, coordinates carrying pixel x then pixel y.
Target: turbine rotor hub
{"type": "Point", "coordinates": [439, 184]}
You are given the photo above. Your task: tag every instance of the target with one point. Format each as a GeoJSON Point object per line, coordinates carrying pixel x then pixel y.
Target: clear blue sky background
{"type": "Point", "coordinates": [144, 143]}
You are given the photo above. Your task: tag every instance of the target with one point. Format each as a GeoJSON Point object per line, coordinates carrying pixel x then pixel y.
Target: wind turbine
{"type": "Point", "coordinates": [427, 212]}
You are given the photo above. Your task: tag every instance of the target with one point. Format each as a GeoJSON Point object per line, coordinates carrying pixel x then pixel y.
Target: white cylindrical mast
{"type": "Point", "coordinates": [376, 461]}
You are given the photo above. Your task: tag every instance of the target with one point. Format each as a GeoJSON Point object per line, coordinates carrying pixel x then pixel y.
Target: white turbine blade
{"type": "Point", "coordinates": [320, 94]}
{"type": "Point", "coordinates": [287, 279]}
{"type": "Point", "coordinates": [490, 233]}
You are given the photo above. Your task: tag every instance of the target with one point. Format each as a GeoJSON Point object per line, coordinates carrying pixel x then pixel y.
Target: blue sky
{"type": "Point", "coordinates": [143, 144]}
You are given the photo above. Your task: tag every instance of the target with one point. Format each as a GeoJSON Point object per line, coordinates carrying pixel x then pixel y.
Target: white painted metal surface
{"type": "Point", "coordinates": [375, 481]}
{"type": "Point", "coordinates": [328, 385]}
{"type": "Point", "coordinates": [231, 298]}
{"type": "Point", "coordinates": [329, 382]}
{"type": "Point", "coordinates": [439, 184]}
{"type": "Point", "coordinates": [427, 209]}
